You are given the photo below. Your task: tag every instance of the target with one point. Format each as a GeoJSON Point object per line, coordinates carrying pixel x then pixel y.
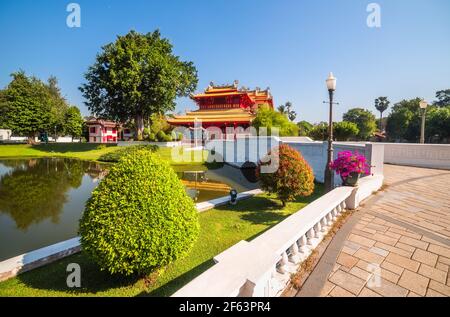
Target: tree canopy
{"type": "Point", "coordinates": [136, 76]}
{"type": "Point", "coordinates": [381, 104]}
{"type": "Point", "coordinates": [28, 106]}
{"type": "Point", "coordinates": [364, 119]}
{"type": "Point", "coordinates": [269, 118]}
{"type": "Point", "coordinates": [73, 122]}
{"type": "Point", "coordinates": [443, 98]}
{"type": "Point", "coordinates": [287, 110]}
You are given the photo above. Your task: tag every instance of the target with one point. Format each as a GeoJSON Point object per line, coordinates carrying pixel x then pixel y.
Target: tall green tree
{"type": "Point", "coordinates": [404, 121]}
{"type": "Point", "coordinates": [136, 76]}
{"type": "Point", "coordinates": [443, 98]}
{"type": "Point", "coordinates": [287, 110]}
{"type": "Point", "coordinates": [26, 106]}
{"type": "Point", "coordinates": [344, 130]}
{"type": "Point", "coordinates": [364, 119]}
{"type": "Point", "coordinates": [304, 127]}
{"type": "Point", "coordinates": [269, 118]}
{"type": "Point", "coordinates": [381, 104]}
{"type": "Point", "coordinates": [73, 122]}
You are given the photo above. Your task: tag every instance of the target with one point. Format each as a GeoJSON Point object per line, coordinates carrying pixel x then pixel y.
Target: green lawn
{"type": "Point", "coordinates": [84, 151]}
{"type": "Point", "coordinates": [220, 229]}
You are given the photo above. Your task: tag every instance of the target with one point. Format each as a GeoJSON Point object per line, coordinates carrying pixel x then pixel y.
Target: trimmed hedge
{"type": "Point", "coordinates": [117, 155]}
{"type": "Point", "coordinates": [294, 177]}
{"type": "Point", "coordinates": [139, 218]}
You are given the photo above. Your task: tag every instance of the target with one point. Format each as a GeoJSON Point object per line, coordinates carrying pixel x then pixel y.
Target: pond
{"type": "Point", "coordinates": [42, 199]}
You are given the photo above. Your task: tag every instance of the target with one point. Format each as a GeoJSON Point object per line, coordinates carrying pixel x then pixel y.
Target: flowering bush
{"type": "Point", "coordinates": [348, 163]}
{"type": "Point", "coordinates": [293, 178]}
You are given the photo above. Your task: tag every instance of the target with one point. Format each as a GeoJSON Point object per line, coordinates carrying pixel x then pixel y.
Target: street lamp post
{"type": "Point", "coordinates": [331, 86]}
{"type": "Point", "coordinates": [423, 105]}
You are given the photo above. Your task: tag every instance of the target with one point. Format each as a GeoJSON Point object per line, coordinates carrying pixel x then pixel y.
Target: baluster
{"type": "Point", "coordinates": [324, 224]}
{"type": "Point", "coordinates": [294, 258]}
{"type": "Point", "coordinates": [343, 206]}
{"type": "Point", "coordinates": [317, 229]}
{"type": "Point", "coordinates": [283, 262]}
{"type": "Point", "coordinates": [329, 217]}
{"type": "Point", "coordinates": [302, 243]}
{"type": "Point", "coordinates": [334, 214]}
{"type": "Point", "coordinates": [310, 235]}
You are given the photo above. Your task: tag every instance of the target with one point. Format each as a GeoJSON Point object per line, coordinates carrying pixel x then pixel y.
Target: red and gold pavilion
{"type": "Point", "coordinates": [224, 106]}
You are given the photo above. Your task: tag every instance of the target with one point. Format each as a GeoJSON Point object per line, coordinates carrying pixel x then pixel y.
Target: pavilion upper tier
{"type": "Point", "coordinates": [225, 105]}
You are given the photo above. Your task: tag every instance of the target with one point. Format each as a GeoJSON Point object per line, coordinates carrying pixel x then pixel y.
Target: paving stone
{"type": "Point", "coordinates": [439, 287]}
{"type": "Point", "coordinates": [432, 273]}
{"type": "Point", "coordinates": [346, 260]}
{"type": "Point", "coordinates": [366, 292]}
{"type": "Point", "coordinates": [361, 273]}
{"type": "Point", "coordinates": [444, 260]}
{"type": "Point", "coordinates": [347, 281]}
{"type": "Point", "coordinates": [379, 251]}
{"type": "Point", "coordinates": [439, 250]}
{"type": "Point", "coordinates": [414, 282]}
{"type": "Point", "coordinates": [388, 289]}
{"type": "Point", "coordinates": [425, 257]}
{"type": "Point", "coordinates": [403, 262]}
{"type": "Point", "coordinates": [393, 249]}
{"type": "Point", "coordinates": [361, 240]}
{"type": "Point", "coordinates": [442, 267]}
{"type": "Point", "coordinates": [347, 250]}
{"type": "Point", "coordinates": [433, 293]}
{"type": "Point", "coordinates": [326, 288]}
{"type": "Point", "coordinates": [392, 267]}
{"type": "Point", "coordinates": [405, 247]}
{"type": "Point", "coordinates": [388, 275]}
{"type": "Point", "coordinates": [340, 292]}
{"type": "Point", "coordinates": [384, 239]}
{"type": "Point", "coordinates": [393, 235]}
{"type": "Point", "coordinates": [414, 242]}
{"type": "Point", "coordinates": [369, 256]}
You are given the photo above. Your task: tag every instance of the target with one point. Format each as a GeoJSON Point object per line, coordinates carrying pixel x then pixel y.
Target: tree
{"type": "Point", "coordinates": [136, 76]}
{"type": "Point", "coordinates": [364, 119]}
{"type": "Point", "coordinates": [73, 122]}
{"type": "Point", "coordinates": [345, 130]}
{"type": "Point", "coordinates": [443, 98]}
{"type": "Point", "coordinates": [269, 118]}
{"type": "Point", "coordinates": [304, 127]}
{"type": "Point", "coordinates": [404, 121]}
{"type": "Point", "coordinates": [26, 106]}
{"type": "Point", "coordinates": [342, 131]}
{"type": "Point", "coordinates": [437, 126]}
{"type": "Point", "coordinates": [381, 104]}
{"type": "Point", "coordinates": [294, 177]}
{"type": "Point", "coordinates": [58, 106]}
{"type": "Point", "coordinates": [286, 109]}
{"type": "Point", "coordinates": [319, 132]}
{"type": "Point", "coordinates": [139, 219]}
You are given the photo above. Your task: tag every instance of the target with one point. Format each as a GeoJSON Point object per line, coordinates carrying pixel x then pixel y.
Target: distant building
{"type": "Point", "coordinates": [224, 106]}
{"type": "Point", "coordinates": [5, 134]}
{"type": "Point", "coordinates": [102, 131]}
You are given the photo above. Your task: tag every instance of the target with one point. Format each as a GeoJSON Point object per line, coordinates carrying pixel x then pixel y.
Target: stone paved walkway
{"type": "Point", "coordinates": [397, 244]}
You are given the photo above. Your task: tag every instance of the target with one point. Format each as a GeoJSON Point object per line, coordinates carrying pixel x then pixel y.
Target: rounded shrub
{"type": "Point", "coordinates": [161, 136]}
{"type": "Point", "coordinates": [139, 218]}
{"type": "Point", "coordinates": [293, 177]}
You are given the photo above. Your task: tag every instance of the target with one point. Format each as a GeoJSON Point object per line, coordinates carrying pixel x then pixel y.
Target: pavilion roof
{"type": "Point", "coordinates": [213, 116]}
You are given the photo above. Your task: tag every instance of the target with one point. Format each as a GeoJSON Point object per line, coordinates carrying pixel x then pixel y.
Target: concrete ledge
{"type": "Point", "coordinates": [210, 204]}
{"type": "Point", "coordinates": [31, 260]}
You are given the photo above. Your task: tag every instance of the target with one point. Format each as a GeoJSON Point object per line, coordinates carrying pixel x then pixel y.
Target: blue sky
{"type": "Point", "coordinates": [289, 46]}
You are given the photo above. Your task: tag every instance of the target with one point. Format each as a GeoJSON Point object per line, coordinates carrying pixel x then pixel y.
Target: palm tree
{"type": "Point", "coordinates": [286, 109]}
{"type": "Point", "coordinates": [381, 103]}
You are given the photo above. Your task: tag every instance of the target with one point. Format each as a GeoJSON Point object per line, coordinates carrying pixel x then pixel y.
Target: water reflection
{"type": "Point", "coordinates": [36, 189]}
{"type": "Point", "coordinates": [206, 185]}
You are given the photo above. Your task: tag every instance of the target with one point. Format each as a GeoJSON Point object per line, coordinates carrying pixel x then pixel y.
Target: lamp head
{"type": "Point", "coordinates": [423, 104]}
{"type": "Point", "coordinates": [331, 82]}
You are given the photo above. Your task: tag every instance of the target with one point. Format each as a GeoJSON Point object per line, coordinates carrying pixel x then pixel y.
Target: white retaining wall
{"type": "Point", "coordinates": [160, 144]}
{"type": "Point", "coordinates": [263, 266]}
{"type": "Point", "coordinates": [252, 149]}
{"type": "Point", "coordinates": [420, 155]}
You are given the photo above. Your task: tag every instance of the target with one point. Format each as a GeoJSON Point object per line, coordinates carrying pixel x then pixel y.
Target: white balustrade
{"type": "Point", "coordinates": [262, 266]}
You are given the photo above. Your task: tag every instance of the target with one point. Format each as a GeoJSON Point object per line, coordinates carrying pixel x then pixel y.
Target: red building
{"type": "Point", "coordinates": [102, 131]}
{"type": "Point", "coordinates": [224, 106]}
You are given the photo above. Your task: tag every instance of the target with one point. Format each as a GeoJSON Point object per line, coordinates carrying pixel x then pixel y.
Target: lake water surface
{"type": "Point", "coordinates": [42, 199]}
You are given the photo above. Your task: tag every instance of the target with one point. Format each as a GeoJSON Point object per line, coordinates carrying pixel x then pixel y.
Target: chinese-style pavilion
{"type": "Point", "coordinates": [224, 106]}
